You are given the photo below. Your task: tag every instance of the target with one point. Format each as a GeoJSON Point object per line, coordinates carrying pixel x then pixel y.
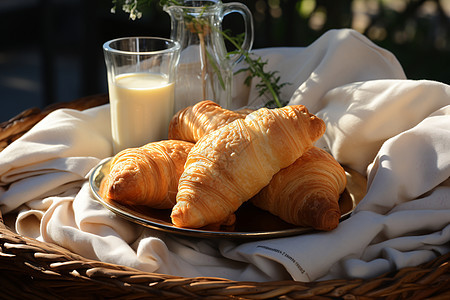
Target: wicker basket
{"type": "Point", "coordinates": [30, 269]}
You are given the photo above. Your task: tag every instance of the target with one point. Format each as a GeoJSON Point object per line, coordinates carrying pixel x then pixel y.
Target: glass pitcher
{"type": "Point", "coordinates": [204, 71]}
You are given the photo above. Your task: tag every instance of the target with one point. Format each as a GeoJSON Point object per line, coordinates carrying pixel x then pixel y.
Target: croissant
{"type": "Point", "coordinates": [230, 165]}
{"type": "Point", "coordinates": [307, 192]}
{"type": "Point", "coordinates": [193, 122]}
{"type": "Point", "coordinates": [147, 175]}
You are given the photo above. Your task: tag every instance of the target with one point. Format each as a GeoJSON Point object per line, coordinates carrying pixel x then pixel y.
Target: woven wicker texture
{"type": "Point", "coordinates": [30, 269]}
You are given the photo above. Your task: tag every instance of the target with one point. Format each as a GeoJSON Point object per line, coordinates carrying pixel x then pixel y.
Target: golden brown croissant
{"type": "Point", "coordinates": [307, 192]}
{"type": "Point", "coordinates": [147, 175]}
{"type": "Point", "coordinates": [231, 164]}
{"type": "Point", "coordinates": [193, 122]}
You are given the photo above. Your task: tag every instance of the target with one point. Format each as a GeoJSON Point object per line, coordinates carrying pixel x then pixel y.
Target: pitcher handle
{"type": "Point", "coordinates": [244, 11]}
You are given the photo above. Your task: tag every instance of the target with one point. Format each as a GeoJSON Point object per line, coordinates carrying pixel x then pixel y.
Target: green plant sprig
{"type": "Point", "coordinates": [270, 82]}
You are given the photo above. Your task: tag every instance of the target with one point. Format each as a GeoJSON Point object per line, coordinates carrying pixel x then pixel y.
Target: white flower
{"type": "Point", "coordinates": [130, 6]}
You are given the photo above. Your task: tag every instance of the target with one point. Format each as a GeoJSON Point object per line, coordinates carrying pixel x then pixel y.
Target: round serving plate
{"type": "Point", "coordinates": [251, 222]}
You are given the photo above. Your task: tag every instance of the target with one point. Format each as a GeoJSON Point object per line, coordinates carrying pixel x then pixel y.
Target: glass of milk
{"type": "Point", "coordinates": [141, 78]}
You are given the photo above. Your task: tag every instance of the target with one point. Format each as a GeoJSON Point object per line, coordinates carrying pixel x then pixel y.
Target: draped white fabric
{"type": "Point", "coordinates": [393, 130]}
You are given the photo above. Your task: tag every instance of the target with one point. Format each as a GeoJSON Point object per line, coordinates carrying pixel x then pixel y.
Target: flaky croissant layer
{"type": "Point", "coordinates": [230, 165]}
{"type": "Point", "coordinates": [307, 192]}
{"type": "Point", "coordinates": [193, 122]}
{"type": "Point", "coordinates": [147, 175]}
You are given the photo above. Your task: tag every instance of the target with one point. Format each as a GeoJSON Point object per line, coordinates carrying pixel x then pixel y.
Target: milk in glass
{"type": "Point", "coordinates": [142, 105]}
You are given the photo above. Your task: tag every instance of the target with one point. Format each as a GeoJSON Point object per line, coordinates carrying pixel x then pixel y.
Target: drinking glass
{"type": "Point", "coordinates": [141, 75]}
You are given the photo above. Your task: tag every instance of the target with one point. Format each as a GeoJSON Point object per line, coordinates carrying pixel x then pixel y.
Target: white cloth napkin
{"type": "Point", "coordinates": [395, 131]}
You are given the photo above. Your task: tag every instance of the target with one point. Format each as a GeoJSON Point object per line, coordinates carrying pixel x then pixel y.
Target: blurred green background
{"type": "Point", "coordinates": [51, 50]}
